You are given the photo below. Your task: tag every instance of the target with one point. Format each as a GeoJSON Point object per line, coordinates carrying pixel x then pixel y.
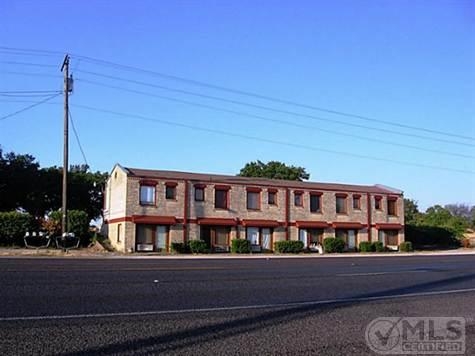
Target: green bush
{"type": "Point", "coordinates": [78, 223]}
{"type": "Point", "coordinates": [291, 246]}
{"type": "Point", "coordinates": [13, 226]}
{"type": "Point", "coordinates": [405, 246]}
{"type": "Point", "coordinates": [179, 247]}
{"type": "Point", "coordinates": [366, 246]}
{"type": "Point", "coordinates": [333, 244]}
{"type": "Point", "coordinates": [198, 246]}
{"type": "Point", "coordinates": [240, 246]}
{"type": "Point", "coordinates": [378, 246]}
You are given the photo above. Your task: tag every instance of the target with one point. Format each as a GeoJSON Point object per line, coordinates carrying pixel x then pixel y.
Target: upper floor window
{"type": "Point", "coordinates": [170, 190]}
{"type": "Point", "coordinates": [272, 196]}
{"type": "Point", "coordinates": [392, 206]}
{"type": "Point", "coordinates": [147, 195]}
{"type": "Point", "coordinates": [298, 198]}
{"type": "Point", "coordinates": [315, 203]}
{"type": "Point", "coordinates": [341, 204]}
{"type": "Point", "coordinates": [199, 193]}
{"type": "Point", "coordinates": [377, 203]}
{"type": "Point", "coordinates": [253, 200]}
{"type": "Point", "coordinates": [221, 198]}
{"type": "Point", "coordinates": [357, 202]}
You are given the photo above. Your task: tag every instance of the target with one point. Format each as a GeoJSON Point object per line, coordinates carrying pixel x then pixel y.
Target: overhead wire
{"type": "Point", "coordinates": [29, 107]}
{"type": "Point", "coordinates": [77, 138]}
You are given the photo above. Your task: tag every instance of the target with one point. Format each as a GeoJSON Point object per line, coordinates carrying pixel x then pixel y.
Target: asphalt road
{"type": "Point", "coordinates": [51, 306]}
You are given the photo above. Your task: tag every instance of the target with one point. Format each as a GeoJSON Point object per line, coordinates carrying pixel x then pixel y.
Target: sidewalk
{"type": "Point", "coordinates": [96, 252]}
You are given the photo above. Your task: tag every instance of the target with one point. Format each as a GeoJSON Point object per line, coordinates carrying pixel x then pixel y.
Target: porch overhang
{"type": "Point", "coordinates": [260, 223]}
{"type": "Point", "coordinates": [158, 220]}
{"type": "Point", "coordinates": [388, 226]}
{"type": "Point", "coordinates": [347, 225]}
{"type": "Point", "coordinates": [217, 221]}
{"type": "Point", "coordinates": [312, 224]}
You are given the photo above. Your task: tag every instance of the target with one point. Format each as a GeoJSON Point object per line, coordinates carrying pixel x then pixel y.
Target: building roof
{"type": "Point", "coordinates": [227, 179]}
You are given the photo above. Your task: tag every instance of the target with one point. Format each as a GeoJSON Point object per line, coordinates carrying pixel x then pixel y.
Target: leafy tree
{"type": "Point", "coordinates": [411, 211]}
{"type": "Point", "coordinates": [273, 170]}
{"type": "Point", "coordinates": [438, 216]}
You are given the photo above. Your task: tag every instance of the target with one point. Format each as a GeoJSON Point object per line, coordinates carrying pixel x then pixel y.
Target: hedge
{"type": "Point", "coordinates": [333, 244]}
{"type": "Point", "coordinates": [291, 246]}
{"type": "Point", "coordinates": [78, 223]}
{"type": "Point", "coordinates": [366, 246]}
{"type": "Point", "coordinates": [198, 246]}
{"type": "Point", "coordinates": [378, 246]}
{"type": "Point", "coordinates": [240, 246]}
{"type": "Point", "coordinates": [405, 246]}
{"type": "Point", "coordinates": [13, 226]}
{"type": "Point", "coordinates": [179, 247]}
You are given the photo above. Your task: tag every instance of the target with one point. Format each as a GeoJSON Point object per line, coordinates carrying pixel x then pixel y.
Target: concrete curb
{"type": "Point", "coordinates": [79, 254]}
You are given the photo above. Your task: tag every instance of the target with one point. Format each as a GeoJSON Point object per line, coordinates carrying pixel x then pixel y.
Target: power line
{"type": "Point", "coordinates": [29, 74]}
{"type": "Point", "coordinates": [240, 92]}
{"type": "Point", "coordinates": [30, 64]}
{"type": "Point", "coordinates": [77, 138]}
{"type": "Point", "coordinates": [235, 112]}
{"type": "Point", "coordinates": [30, 92]}
{"type": "Point", "coordinates": [261, 139]}
{"type": "Point", "coordinates": [29, 107]}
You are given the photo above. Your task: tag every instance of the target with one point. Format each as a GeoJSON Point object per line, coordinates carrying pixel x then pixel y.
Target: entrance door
{"type": "Point", "coordinates": [303, 237]}
{"type": "Point", "coordinates": [266, 239]}
{"type": "Point", "coordinates": [253, 235]}
{"type": "Point", "coordinates": [161, 238]}
{"type": "Point", "coordinates": [351, 239]}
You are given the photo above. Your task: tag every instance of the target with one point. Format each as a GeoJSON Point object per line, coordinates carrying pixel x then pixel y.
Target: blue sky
{"type": "Point", "coordinates": [408, 63]}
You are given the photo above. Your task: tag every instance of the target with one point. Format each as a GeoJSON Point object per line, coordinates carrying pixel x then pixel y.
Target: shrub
{"type": "Point", "coordinates": [366, 246]}
{"type": "Point", "coordinates": [291, 246]}
{"type": "Point", "coordinates": [240, 246]}
{"type": "Point", "coordinates": [378, 246]}
{"type": "Point", "coordinates": [198, 246]}
{"type": "Point", "coordinates": [13, 226]}
{"type": "Point", "coordinates": [333, 244]}
{"type": "Point", "coordinates": [78, 223]}
{"type": "Point", "coordinates": [179, 247]}
{"type": "Point", "coordinates": [405, 246]}
{"type": "Point", "coordinates": [430, 236]}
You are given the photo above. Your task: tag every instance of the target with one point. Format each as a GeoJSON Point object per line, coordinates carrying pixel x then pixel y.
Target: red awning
{"type": "Point", "coordinates": [217, 221]}
{"type": "Point", "coordinates": [260, 223]}
{"type": "Point", "coordinates": [347, 225]}
{"type": "Point", "coordinates": [387, 226]}
{"type": "Point", "coordinates": [312, 224]}
{"type": "Point", "coordinates": [160, 220]}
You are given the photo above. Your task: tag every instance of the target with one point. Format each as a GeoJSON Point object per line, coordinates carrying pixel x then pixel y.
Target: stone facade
{"type": "Point", "coordinates": [129, 220]}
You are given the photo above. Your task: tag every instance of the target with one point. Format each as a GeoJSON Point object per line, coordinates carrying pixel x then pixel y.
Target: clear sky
{"type": "Point", "coordinates": [406, 63]}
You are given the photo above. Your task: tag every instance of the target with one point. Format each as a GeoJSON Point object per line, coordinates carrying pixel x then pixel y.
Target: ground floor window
{"type": "Point", "coordinates": [151, 238]}
{"type": "Point", "coordinates": [389, 237]}
{"type": "Point", "coordinates": [311, 237]}
{"type": "Point", "coordinates": [261, 238]}
{"type": "Point", "coordinates": [349, 236]}
{"type": "Point", "coordinates": [217, 238]}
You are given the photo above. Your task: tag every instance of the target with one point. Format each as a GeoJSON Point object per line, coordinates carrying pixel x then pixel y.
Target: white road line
{"type": "Point", "coordinates": [376, 273]}
{"type": "Point", "coordinates": [243, 307]}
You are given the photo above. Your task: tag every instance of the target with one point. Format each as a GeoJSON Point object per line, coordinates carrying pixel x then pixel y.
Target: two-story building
{"type": "Point", "coordinates": [147, 210]}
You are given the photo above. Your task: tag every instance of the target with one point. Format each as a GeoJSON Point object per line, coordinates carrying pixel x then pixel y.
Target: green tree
{"type": "Point", "coordinates": [438, 216]}
{"type": "Point", "coordinates": [273, 170]}
{"type": "Point", "coordinates": [411, 212]}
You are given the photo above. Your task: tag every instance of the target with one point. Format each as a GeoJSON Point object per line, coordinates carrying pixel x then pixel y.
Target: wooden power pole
{"type": "Point", "coordinates": [64, 208]}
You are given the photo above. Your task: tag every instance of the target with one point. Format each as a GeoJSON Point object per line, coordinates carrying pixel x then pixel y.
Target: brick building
{"type": "Point", "coordinates": [147, 210]}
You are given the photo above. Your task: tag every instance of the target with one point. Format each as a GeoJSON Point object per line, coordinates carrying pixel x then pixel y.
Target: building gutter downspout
{"type": "Point", "coordinates": [368, 203]}
{"type": "Point", "coordinates": [287, 213]}
{"type": "Point", "coordinates": [185, 214]}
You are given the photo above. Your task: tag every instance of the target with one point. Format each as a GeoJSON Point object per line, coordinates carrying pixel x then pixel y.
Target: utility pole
{"type": "Point", "coordinates": [64, 209]}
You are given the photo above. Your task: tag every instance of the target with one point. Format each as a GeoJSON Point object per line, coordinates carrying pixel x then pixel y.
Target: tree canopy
{"type": "Point", "coordinates": [273, 170]}
{"type": "Point", "coordinates": [26, 186]}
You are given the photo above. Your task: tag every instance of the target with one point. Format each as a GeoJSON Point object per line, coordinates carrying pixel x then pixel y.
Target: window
{"type": "Point", "coordinates": [391, 237]}
{"type": "Point", "coordinates": [392, 208]}
{"type": "Point", "coordinates": [377, 203]}
{"type": "Point", "coordinates": [170, 192]}
{"type": "Point", "coordinates": [221, 198]}
{"type": "Point", "coordinates": [144, 237]}
{"type": "Point", "coordinates": [199, 194]}
{"type": "Point", "coordinates": [271, 198]}
{"type": "Point", "coordinates": [147, 195]}
{"type": "Point", "coordinates": [119, 230]}
{"type": "Point", "coordinates": [315, 206]}
{"type": "Point", "coordinates": [356, 202]}
{"type": "Point", "coordinates": [315, 236]}
{"type": "Point", "coordinates": [253, 200]}
{"type": "Point", "coordinates": [298, 198]}
{"type": "Point", "coordinates": [341, 204]}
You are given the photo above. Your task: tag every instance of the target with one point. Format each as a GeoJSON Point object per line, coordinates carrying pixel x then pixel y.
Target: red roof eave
{"type": "Point", "coordinates": [260, 223]}
{"type": "Point", "coordinates": [148, 219]}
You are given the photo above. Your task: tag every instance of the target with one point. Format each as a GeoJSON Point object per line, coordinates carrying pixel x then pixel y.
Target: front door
{"type": "Point", "coordinates": [253, 235]}
{"type": "Point", "coordinates": [351, 239]}
{"type": "Point", "coordinates": [303, 237]}
{"type": "Point", "coordinates": [266, 239]}
{"type": "Point", "coordinates": [161, 238]}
